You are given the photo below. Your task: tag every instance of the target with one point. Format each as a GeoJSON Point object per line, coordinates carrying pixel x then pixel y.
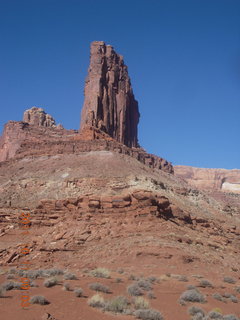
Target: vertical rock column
{"type": "Point", "coordinates": [109, 100]}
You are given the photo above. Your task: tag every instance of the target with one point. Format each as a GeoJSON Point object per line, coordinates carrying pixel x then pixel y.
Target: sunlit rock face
{"type": "Point", "coordinates": [109, 100]}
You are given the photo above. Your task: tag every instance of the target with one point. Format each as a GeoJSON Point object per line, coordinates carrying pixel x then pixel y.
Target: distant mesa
{"type": "Point", "coordinates": [109, 100]}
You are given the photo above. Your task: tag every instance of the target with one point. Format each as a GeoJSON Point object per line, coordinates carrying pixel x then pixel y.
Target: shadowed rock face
{"type": "Point", "coordinates": [109, 100]}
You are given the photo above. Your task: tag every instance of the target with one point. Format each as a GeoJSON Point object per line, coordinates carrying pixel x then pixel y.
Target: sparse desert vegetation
{"type": "Point", "coordinates": [192, 295]}
{"type": "Point", "coordinates": [51, 282]}
{"type": "Point", "coordinates": [100, 273]}
{"type": "Point", "coordinates": [78, 292]}
{"type": "Point", "coordinates": [39, 300]}
{"type": "Point", "coordinates": [97, 301]}
{"type": "Point", "coordinates": [99, 287]}
{"type": "Point", "coordinates": [118, 304]}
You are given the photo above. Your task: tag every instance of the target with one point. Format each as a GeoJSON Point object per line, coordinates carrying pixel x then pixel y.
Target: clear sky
{"type": "Point", "coordinates": [183, 58]}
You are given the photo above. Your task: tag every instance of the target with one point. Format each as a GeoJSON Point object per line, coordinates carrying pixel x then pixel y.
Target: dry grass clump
{"type": "Point", "coordinates": [117, 305]}
{"type": "Point", "coordinates": [140, 303]}
{"type": "Point", "coordinates": [100, 273]}
{"type": "Point", "coordinates": [97, 301]}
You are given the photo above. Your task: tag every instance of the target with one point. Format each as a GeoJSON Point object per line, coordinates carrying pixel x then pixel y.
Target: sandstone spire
{"type": "Point", "coordinates": [109, 100]}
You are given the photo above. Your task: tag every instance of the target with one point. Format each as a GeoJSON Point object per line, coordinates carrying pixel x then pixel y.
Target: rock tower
{"type": "Point", "coordinates": [109, 100]}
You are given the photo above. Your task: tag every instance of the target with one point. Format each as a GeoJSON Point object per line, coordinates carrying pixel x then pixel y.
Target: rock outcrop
{"type": "Point", "coordinates": [210, 179]}
{"type": "Point", "coordinates": [109, 100]}
{"type": "Point", "coordinates": [38, 117]}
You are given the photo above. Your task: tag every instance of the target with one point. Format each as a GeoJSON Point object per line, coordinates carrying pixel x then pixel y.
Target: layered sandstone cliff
{"type": "Point", "coordinates": [210, 179]}
{"type": "Point", "coordinates": [109, 100]}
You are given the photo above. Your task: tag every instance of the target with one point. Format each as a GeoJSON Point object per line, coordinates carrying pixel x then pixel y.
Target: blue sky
{"type": "Point", "coordinates": [183, 58]}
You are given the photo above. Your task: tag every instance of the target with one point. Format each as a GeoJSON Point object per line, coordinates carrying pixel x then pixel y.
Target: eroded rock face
{"type": "Point", "coordinates": [109, 100]}
{"type": "Point", "coordinates": [210, 179]}
{"type": "Point", "coordinates": [38, 117]}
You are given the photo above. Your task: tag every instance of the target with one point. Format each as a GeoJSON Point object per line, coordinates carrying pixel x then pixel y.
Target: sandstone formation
{"type": "Point", "coordinates": [109, 100]}
{"type": "Point", "coordinates": [210, 179]}
{"type": "Point", "coordinates": [38, 117]}
{"type": "Point", "coordinates": [21, 139]}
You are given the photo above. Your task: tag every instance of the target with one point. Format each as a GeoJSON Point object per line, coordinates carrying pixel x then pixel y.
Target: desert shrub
{"type": "Point", "coordinates": [152, 279]}
{"type": "Point", "coordinates": [205, 283]}
{"type": "Point", "coordinates": [182, 278]}
{"type": "Point", "coordinates": [230, 317]}
{"type": "Point", "coordinates": [226, 295]}
{"type": "Point", "coordinates": [100, 273]}
{"type": "Point", "coordinates": [190, 286]}
{"type": "Point", "coordinates": [78, 292]}
{"type": "Point", "coordinates": [34, 274]}
{"type": "Point", "coordinates": [148, 314]}
{"type": "Point", "coordinates": [51, 282]}
{"type": "Point", "coordinates": [133, 277]}
{"type": "Point", "coordinates": [229, 280]}
{"type": "Point", "coordinates": [194, 310]}
{"type": "Point", "coordinates": [99, 287]}
{"type": "Point", "coordinates": [198, 316]}
{"type": "Point", "coordinates": [39, 300]}
{"type": "Point", "coordinates": [96, 301]}
{"type": "Point", "coordinates": [151, 295]}
{"type": "Point", "coordinates": [134, 290]}
{"type": "Point", "coordinates": [117, 305]}
{"type": "Point", "coordinates": [218, 296]}
{"type": "Point", "coordinates": [144, 285]}
{"type": "Point", "coordinates": [192, 295]}
{"type": "Point", "coordinates": [12, 285]}
{"type": "Point", "coordinates": [214, 315]}
{"type": "Point", "coordinates": [140, 303]}
{"type": "Point", "coordinates": [66, 287]}
{"type": "Point", "coordinates": [197, 276]}
{"type": "Point", "coordinates": [118, 280]}
{"type": "Point", "coordinates": [2, 292]}
{"type": "Point", "coordinates": [237, 289]}
{"type": "Point", "coordinates": [120, 271]}
{"type": "Point", "coordinates": [233, 298]}
{"type": "Point", "coordinates": [52, 272]}
{"type": "Point", "coordinates": [70, 276]}
{"type": "Point", "coordinates": [10, 276]}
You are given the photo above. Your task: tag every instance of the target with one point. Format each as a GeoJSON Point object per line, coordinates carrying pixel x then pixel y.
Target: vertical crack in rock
{"type": "Point", "coordinates": [109, 100]}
